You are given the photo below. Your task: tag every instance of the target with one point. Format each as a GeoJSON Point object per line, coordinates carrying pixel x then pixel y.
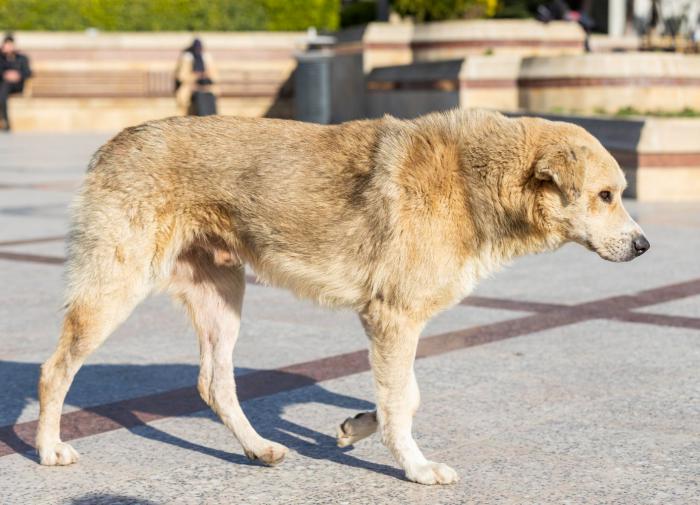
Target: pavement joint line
{"type": "Point", "coordinates": [505, 304]}
{"type": "Point", "coordinates": [659, 319]}
{"type": "Point", "coordinates": [139, 411]}
{"type": "Point", "coordinates": [63, 185]}
{"type": "Point", "coordinates": [32, 258]}
{"type": "Point", "coordinates": [38, 240]}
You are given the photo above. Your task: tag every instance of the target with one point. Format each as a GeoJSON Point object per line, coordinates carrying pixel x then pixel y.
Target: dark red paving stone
{"type": "Point", "coordinates": [183, 401]}
{"type": "Point", "coordinates": [500, 303]}
{"type": "Point", "coordinates": [659, 320]}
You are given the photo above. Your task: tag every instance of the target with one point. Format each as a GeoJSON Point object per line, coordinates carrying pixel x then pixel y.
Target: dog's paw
{"type": "Point", "coordinates": [58, 454]}
{"type": "Point", "coordinates": [271, 453]}
{"type": "Point", "coordinates": [343, 437]}
{"type": "Point", "coordinates": [432, 473]}
{"type": "Point", "coordinates": [356, 428]}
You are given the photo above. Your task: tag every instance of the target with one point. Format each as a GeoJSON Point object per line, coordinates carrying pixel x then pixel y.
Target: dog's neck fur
{"type": "Point", "coordinates": [486, 215]}
{"type": "Point", "coordinates": [508, 201]}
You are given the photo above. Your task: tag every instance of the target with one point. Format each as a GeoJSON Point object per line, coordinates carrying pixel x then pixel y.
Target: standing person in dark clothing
{"type": "Point", "coordinates": [196, 77]}
{"type": "Point", "coordinates": [14, 71]}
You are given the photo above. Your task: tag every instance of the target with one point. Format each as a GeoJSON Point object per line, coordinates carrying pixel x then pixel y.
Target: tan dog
{"type": "Point", "coordinates": [396, 219]}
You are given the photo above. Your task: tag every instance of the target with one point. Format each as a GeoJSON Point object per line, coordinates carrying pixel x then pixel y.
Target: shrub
{"type": "Point", "coordinates": [517, 8]}
{"type": "Point", "coordinates": [358, 13]}
{"type": "Point", "coordinates": [171, 15]}
{"type": "Point", "coordinates": [300, 14]}
{"type": "Point", "coordinates": [438, 10]}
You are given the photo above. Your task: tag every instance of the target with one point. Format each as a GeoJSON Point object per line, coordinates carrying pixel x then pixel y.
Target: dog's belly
{"type": "Point", "coordinates": [329, 283]}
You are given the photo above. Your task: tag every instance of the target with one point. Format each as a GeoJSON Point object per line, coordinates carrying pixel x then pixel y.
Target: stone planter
{"type": "Point", "coordinates": [606, 83]}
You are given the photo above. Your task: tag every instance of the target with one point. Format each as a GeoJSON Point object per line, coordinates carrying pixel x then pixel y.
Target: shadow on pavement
{"type": "Point", "coordinates": [99, 384]}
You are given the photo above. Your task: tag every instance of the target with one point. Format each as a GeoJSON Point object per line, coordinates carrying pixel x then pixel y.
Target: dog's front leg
{"type": "Point", "coordinates": [394, 337]}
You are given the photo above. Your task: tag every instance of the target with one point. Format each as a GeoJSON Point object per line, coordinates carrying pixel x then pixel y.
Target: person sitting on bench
{"type": "Point", "coordinates": [14, 71]}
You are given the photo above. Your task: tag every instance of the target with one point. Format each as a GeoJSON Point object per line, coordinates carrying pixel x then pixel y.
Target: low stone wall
{"type": "Point", "coordinates": [387, 44]}
{"type": "Point", "coordinates": [411, 90]}
{"type": "Point", "coordinates": [102, 114]}
{"type": "Point", "coordinates": [606, 83]}
{"type": "Point", "coordinates": [111, 80]}
{"type": "Point", "coordinates": [579, 84]}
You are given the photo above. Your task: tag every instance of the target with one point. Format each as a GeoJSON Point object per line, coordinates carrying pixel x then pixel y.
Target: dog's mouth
{"type": "Point", "coordinates": [609, 250]}
{"type": "Point", "coordinates": [616, 253]}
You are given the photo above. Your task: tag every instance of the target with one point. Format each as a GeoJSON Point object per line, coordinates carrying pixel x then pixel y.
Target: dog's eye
{"type": "Point", "coordinates": [606, 196]}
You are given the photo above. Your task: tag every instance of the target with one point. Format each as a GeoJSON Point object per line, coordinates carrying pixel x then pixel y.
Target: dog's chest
{"type": "Point", "coordinates": [474, 270]}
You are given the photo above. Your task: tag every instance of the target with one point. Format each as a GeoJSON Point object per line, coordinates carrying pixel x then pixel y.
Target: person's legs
{"type": "Point", "coordinates": [4, 94]}
{"type": "Point", "coordinates": [6, 89]}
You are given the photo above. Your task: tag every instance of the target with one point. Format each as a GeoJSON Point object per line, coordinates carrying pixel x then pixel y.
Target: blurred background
{"type": "Point", "coordinates": [627, 70]}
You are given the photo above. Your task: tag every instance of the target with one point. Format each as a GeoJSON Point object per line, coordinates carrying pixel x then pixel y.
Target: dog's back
{"type": "Point", "coordinates": [292, 199]}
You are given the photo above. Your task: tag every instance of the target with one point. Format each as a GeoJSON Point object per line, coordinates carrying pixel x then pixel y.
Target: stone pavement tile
{"type": "Point", "coordinates": [59, 177]}
{"type": "Point", "coordinates": [30, 308]}
{"type": "Point", "coordinates": [673, 214]}
{"type": "Point", "coordinates": [67, 173]}
{"type": "Point", "coordinates": [599, 357]}
{"type": "Point", "coordinates": [16, 227]}
{"type": "Point", "coordinates": [686, 307]}
{"type": "Point", "coordinates": [55, 150]}
{"type": "Point", "coordinates": [506, 424]}
{"type": "Point", "coordinates": [43, 210]}
{"type": "Point", "coordinates": [156, 461]}
{"type": "Point", "coordinates": [24, 481]}
{"type": "Point", "coordinates": [569, 458]}
{"type": "Point", "coordinates": [585, 360]}
{"type": "Point", "coordinates": [305, 419]}
{"type": "Point", "coordinates": [582, 462]}
{"type": "Point", "coordinates": [20, 198]}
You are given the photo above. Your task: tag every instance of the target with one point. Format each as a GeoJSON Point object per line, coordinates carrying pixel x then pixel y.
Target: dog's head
{"type": "Point", "coordinates": [580, 194]}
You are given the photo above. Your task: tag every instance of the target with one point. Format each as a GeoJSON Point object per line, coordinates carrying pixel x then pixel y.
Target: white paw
{"type": "Point", "coordinates": [271, 453]}
{"type": "Point", "coordinates": [432, 473]}
{"type": "Point", "coordinates": [58, 454]}
{"type": "Point", "coordinates": [356, 428]}
{"type": "Point", "coordinates": [344, 439]}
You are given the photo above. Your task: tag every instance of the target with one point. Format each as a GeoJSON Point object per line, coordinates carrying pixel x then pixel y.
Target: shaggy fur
{"type": "Point", "coordinates": [395, 219]}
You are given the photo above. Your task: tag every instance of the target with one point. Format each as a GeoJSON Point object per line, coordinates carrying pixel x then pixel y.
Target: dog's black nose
{"type": "Point", "coordinates": [641, 245]}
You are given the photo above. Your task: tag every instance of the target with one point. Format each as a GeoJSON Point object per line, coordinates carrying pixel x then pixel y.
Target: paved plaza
{"type": "Point", "coordinates": [564, 379]}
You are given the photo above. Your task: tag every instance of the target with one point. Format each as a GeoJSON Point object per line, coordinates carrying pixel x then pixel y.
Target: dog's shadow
{"type": "Point", "coordinates": [99, 384]}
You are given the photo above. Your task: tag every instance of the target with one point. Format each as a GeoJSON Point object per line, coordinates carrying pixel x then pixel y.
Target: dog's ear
{"type": "Point", "coordinates": [565, 166]}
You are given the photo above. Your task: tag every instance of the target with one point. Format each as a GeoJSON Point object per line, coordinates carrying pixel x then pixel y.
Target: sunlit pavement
{"type": "Point", "coordinates": [566, 379]}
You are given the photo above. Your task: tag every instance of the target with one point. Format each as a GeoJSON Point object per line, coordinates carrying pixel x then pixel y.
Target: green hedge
{"type": "Point", "coordinates": [169, 15]}
{"type": "Point", "coordinates": [518, 8]}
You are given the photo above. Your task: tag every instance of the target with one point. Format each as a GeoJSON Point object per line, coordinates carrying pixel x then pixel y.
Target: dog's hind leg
{"type": "Point", "coordinates": [89, 320]}
{"type": "Point", "coordinates": [213, 296]}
